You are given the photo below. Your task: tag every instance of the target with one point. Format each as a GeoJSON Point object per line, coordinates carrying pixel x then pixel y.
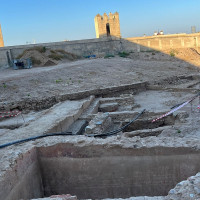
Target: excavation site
{"type": "Point", "coordinates": [99, 172]}
{"type": "Point", "coordinates": [112, 118]}
{"type": "Point", "coordinates": [137, 140]}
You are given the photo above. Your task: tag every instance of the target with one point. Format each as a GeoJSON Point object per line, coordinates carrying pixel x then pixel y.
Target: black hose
{"type": "Point", "coordinates": [118, 130]}
{"type": "Point", "coordinates": [34, 138]}
{"type": "Point", "coordinates": [70, 133]}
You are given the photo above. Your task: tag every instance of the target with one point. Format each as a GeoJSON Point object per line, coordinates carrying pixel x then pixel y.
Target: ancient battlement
{"type": "Point", "coordinates": [107, 17]}
{"type": "Point", "coordinates": [1, 38]}
{"type": "Point", "coordinates": [107, 25]}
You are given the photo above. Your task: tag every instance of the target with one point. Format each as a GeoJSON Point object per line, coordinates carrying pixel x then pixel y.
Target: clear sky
{"type": "Point", "coordinates": [25, 21]}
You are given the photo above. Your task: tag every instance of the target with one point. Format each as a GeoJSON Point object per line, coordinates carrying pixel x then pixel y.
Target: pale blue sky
{"type": "Point", "coordinates": [24, 21]}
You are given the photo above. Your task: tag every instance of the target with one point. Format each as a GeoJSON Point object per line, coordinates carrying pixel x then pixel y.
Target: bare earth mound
{"type": "Point", "coordinates": [41, 56]}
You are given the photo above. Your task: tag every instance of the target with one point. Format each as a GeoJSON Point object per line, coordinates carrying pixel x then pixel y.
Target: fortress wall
{"type": "Point", "coordinates": [102, 46]}
{"type": "Point", "coordinates": [98, 47]}
{"type": "Point", "coordinates": [3, 58]}
{"type": "Point", "coordinates": [78, 47]}
{"type": "Point", "coordinates": [164, 42]}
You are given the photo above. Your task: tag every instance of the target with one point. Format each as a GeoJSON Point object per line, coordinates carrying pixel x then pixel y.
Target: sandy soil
{"type": "Point", "coordinates": [81, 75]}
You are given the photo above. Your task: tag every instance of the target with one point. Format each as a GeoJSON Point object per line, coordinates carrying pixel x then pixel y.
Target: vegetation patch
{"type": "Point", "coordinates": [109, 56]}
{"type": "Point", "coordinates": [4, 85]}
{"type": "Point", "coordinates": [173, 52]}
{"type": "Point", "coordinates": [123, 54]}
{"type": "Point", "coordinates": [59, 80]}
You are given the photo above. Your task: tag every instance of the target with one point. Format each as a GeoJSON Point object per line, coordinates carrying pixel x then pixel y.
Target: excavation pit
{"type": "Point", "coordinates": [97, 172]}
{"type": "Point", "coordinates": [141, 124]}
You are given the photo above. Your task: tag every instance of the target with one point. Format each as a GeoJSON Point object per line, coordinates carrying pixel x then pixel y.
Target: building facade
{"type": "Point", "coordinates": [107, 25]}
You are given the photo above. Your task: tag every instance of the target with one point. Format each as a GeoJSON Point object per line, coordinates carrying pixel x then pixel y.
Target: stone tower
{"type": "Point", "coordinates": [107, 25]}
{"type": "Point", "coordinates": [1, 38]}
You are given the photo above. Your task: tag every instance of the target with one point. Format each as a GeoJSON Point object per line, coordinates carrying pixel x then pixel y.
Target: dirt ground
{"type": "Point", "coordinates": [41, 82]}
{"type": "Point", "coordinates": [169, 81]}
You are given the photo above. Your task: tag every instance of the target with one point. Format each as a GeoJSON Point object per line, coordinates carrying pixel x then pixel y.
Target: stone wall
{"type": "Point", "coordinates": [110, 21]}
{"type": "Point", "coordinates": [111, 45]}
{"type": "Point", "coordinates": [98, 47]}
{"type": "Point", "coordinates": [164, 42]}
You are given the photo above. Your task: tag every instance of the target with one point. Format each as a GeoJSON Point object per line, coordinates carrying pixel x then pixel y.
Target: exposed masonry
{"type": "Point", "coordinates": [144, 161]}
{"type": "Point", "coordinates": [107, 25]}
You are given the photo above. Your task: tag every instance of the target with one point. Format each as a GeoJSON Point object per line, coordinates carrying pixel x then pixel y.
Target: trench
{"type": "Point", "coordinates": [96, 172]}
{"type": "Point", "coordinates": [141, 124]}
